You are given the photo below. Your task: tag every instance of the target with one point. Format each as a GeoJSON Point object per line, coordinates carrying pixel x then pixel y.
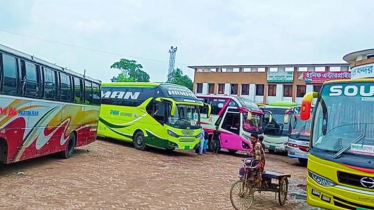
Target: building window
{"type": "Point", "coordinates": [287, 90]}
{"type": "Point", "coordinates": [199, 88]}
{"type": "Point", "coordinates": [234, 89]}
{"type": "Point", "coordinates": [259, 90]}
{"type": "Point", "coordinates": [221, 88]}
{"type": "Point", "coordinates": [211, 88]}
{"type": "Point", "coordinates": [301, 90]}
{"type": "Point", "coordinates": [272, 90]}
{"type": "Point", "coordinates": [245, 89]}
{"type": "Point", "coordinates": [317, 88]}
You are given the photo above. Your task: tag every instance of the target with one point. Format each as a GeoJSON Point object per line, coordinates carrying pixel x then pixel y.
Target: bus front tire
{"type": "Point", "coordinates": [139, 141]}
{"type": "Point", "coordinates": [70, 146]}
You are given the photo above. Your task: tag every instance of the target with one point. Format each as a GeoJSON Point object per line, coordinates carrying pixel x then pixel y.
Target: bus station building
{"type": "Point", "coordinates": [266, 83]}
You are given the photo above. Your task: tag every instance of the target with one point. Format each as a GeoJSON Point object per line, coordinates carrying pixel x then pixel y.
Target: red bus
{"type": "Point", "coordinates": [44, 108]}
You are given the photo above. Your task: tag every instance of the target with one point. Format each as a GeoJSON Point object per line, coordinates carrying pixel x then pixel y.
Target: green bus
{"type": "Point", "coordinates": [159, 115]}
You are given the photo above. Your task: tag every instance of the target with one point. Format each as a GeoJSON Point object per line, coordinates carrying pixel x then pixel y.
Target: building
{"type": "Point", "coordinates": [266, 83]}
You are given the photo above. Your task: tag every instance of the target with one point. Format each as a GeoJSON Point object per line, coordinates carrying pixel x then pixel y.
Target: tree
{"type": "Point", "coordinates": [130, 72]}
{"type": "Point", "coordinates": [177, 77]}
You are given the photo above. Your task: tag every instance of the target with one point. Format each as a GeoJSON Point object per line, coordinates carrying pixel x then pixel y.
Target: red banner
{"type": "Point", "coordinates": [321, 77]}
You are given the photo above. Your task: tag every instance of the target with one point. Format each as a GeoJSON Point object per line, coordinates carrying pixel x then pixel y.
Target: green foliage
{"type": "Point", "coordinates": [130, 71]}
{"type": "Point", "coordinates": [177, 77]}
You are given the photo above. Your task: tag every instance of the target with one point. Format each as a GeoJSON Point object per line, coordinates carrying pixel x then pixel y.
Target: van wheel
{"type": "Point", "coordinates": [139, 141]}
{"type": "Point", "coordinates": [303, 162]}
{"type": "Point", "coordinates": [70, 145]}
{"type": "Point", "coordinates": [271, 151]}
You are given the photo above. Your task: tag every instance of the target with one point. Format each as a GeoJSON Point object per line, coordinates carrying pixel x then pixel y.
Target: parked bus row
{"type": "Point", "coordinates": [238, 117]}
{"type": "Point", "coordinates": [46, 109]}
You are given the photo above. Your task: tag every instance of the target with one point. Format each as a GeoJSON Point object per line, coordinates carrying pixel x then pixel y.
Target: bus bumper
{"type": "Point", "coordinates": [338, 197]}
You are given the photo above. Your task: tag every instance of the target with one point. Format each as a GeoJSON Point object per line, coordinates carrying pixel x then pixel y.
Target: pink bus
{"type": "Point", "coordinates": [236, 118]}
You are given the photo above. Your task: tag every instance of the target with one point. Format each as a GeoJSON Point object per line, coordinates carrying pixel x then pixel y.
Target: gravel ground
{"type": "Point", "coordinates": [113, 175]}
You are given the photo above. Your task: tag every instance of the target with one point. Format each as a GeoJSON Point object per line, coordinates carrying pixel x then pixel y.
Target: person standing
{"type": "Point", "coordinates": [216, 140]}
{"type": "Point", "coordinates": [206, 140]}
{"type": "Point", "coordinates": [202, 141]}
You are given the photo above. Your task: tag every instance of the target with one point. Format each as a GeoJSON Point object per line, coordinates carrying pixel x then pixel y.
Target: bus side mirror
{"type": "Point", "coordinates": [286, 118]}
{"type": "Point", "coordinates": [249, 116]}
{"type": "Point", "coordinates": [173, 104]}
{"type": "Point", "coordinates": [209, 110]}
{"type": "Point", "coordinates": [306, 105]}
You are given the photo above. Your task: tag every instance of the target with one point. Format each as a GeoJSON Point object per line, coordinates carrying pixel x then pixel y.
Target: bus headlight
{"type": "Point", "coordinates": [173, 134]}
{"type": "Point", "coordinates": [321, 180]}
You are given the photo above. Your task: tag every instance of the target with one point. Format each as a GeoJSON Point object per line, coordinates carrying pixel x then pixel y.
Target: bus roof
{"type": "Point", "coordinates": [178, 93]}
{"type": "Point", "coordinates": [283, 104]}
{"type": "Point", "coordinates": [130, 84]}
{"type": "Point", "coordinates": [350, 80]}
{"type": "Point", "coordinates": [43, 62]}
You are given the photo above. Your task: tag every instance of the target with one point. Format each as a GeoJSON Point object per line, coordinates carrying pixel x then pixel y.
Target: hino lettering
{"type": "Point", "coordinates": [120, 94]}
{"type": "Point", "coordinates": [352, 90]}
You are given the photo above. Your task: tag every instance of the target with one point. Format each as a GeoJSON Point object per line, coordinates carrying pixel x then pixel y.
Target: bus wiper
{"type": "Point", "coordinates": [301, 130]}
{"type": "Point", "coordinates": [338, 154]}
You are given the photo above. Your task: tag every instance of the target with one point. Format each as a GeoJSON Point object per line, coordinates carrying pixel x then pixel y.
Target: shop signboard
{"type": "Point", "coordinates": [280, 76]}
{"type": "Point", "coordinates": [365, 71]}
{"type": "Point", "coordinates": [321, 77]}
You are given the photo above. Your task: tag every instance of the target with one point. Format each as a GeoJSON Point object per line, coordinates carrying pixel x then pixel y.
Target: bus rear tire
{"type": "Point", "coordinates": [139, 141]}
{"type": "Point", "coordinates": [70, 146]}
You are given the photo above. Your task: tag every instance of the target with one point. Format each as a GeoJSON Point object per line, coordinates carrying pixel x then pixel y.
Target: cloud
{"type": "Point", "coordinates": [91, 26]}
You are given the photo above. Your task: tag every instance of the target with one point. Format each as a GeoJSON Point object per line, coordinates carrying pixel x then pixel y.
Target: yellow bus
{"type": "Point", "coordinates": [341, 160]}
{"type": "Point", "coordinates": [151, 114]}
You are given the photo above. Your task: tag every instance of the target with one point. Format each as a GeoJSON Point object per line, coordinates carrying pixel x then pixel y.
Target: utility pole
{"type": "Point", "coordinates": [172, 52]}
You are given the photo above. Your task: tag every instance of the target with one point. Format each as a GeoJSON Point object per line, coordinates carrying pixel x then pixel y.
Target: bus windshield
{"type": "Point", "coordinates": [252, 125]}
{"type": "Point", "coordinates": [344, 119]}
{"type": "Point", "coordinates": [185, 116]}
{"type": "Point", "coordinates": [276, 126]}
{"type": "Point", "coordinates": [248, 104]}
{"type": "Point", "coordinates": [300, 130]}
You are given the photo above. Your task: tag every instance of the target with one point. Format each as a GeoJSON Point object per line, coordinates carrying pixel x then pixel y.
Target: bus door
{"type": "Point", "coordinates": [230, 127]}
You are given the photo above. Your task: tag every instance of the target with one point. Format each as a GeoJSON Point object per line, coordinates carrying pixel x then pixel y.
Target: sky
{"type": "Point", "coordinates": [92, 35]}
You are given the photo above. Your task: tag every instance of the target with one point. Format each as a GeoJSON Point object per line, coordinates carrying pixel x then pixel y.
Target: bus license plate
{"type": "Point", "coordinates": [271, 147]}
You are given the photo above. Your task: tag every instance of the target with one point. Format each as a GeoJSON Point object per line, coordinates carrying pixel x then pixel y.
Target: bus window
{"type": "Point", "coordinates": [49, 84]}
{"type": "Point", "coordinates": [29, 80]}
{"type": "Point", "coordinates": [78, 97]}
{"type": "Point", "coordinates": [69, 88]}
{"type": "Point", "coordinates": [64, 87]}
{"type": "Point", "coordinates": [232, 122]}
{"type": "Point", "coordinates": [88, 92]}
{"type": "Point", "coordinates": [41, 81]}
{"type": "Point", "coordinates": [10, 75]}
{"type": "Point", "coordinates": [217, 105]}
{"type": "Point", "coordinates": [57, 84]}
{"type": "Point", "coordinates": [96, 94]}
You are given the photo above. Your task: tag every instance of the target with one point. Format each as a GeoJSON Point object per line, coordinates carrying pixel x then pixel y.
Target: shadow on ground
{"type": "Point", "coordinates": [175, 153]}
{"type": "Point", "coordinates": [19, 167]}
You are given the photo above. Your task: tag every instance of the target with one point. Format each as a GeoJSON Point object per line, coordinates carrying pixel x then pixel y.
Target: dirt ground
{"type": "Point", "coordinates": [113, 175]}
